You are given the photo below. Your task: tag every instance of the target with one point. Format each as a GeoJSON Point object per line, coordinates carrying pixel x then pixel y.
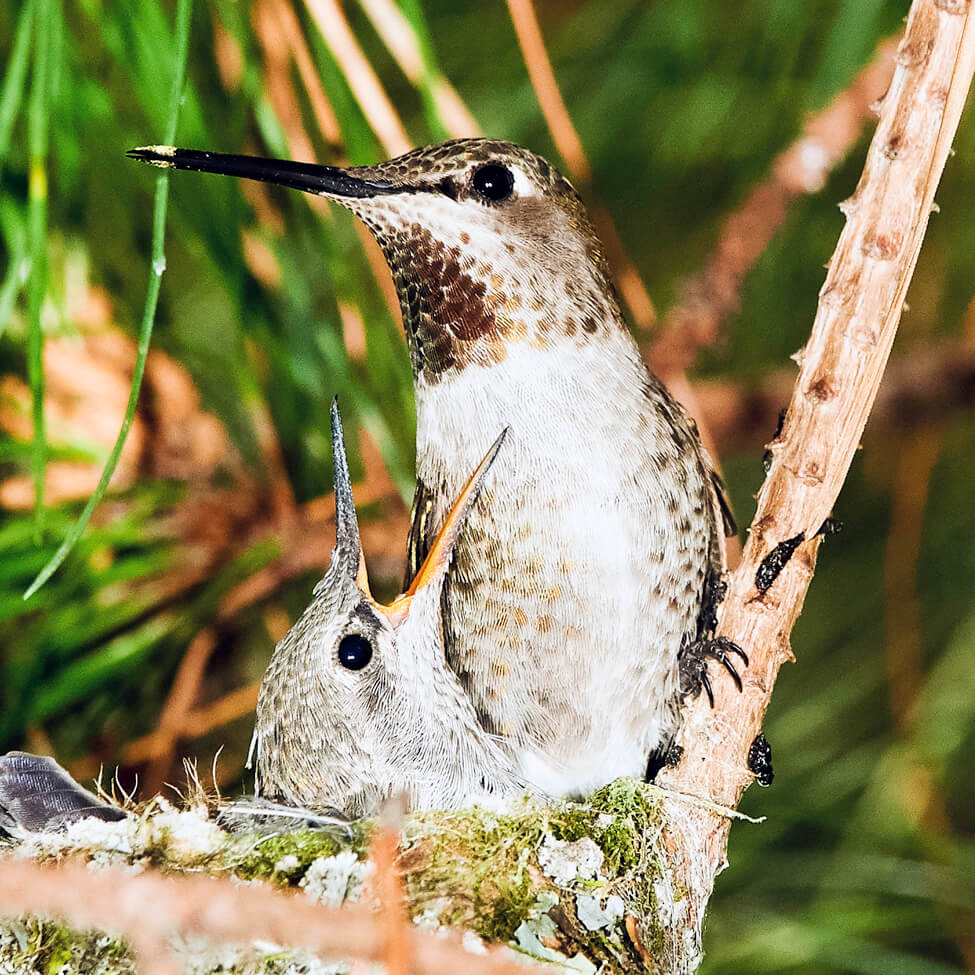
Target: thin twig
{"type": "Point", "coordinates": [196, 723]}
{"type": "Point", "coordinates": [726, 811]}
{"type": "Point", "coordinates": [840, 369]}
{"type": "Point", "coordinates": [176, 708]}
{"type": "Point", "coordinates": [383, 851]}
{"type": "Point", "coordinates": [148, 909]}
{"type": "Point", "coordinates": [570, 148]}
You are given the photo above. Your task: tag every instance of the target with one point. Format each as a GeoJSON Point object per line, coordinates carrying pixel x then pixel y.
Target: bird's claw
{"type": "Point", "coordinates": [693, 664]}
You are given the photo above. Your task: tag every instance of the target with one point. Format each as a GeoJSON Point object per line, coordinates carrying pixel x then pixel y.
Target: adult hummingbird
{"type": "Point", "coordinates": [580, 605]}
{"type": "Point", "coordinates": [358, 703]}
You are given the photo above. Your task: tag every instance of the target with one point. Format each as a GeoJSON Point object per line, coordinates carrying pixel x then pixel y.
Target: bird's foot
{"type": "Point", "coordinates": [692, 664]}
{"type": "Point", "coordinates": [37, 795]}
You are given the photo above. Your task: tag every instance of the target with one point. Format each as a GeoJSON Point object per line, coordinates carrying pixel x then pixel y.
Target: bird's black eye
{"type": "Point", "coordinates": [355, 651]}
{"type": "Point", "coordinates": [493, 182]}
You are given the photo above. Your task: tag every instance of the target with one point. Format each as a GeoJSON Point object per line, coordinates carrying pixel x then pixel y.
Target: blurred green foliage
{"type": "Point", "coordinates": [865, 862]}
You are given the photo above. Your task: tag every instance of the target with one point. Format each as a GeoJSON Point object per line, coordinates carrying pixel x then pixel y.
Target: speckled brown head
{"type": "Point", "coordinates": [487, 243]}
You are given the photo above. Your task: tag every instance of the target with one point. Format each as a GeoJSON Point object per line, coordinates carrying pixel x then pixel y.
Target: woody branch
{"type": "Point", "coordinates": [149, 909]}
{"type": "Point", "coordinates": [839, 372]}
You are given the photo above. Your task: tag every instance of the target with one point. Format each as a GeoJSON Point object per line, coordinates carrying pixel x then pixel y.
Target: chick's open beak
{"type": "Point", "coordinates": [437, 562]}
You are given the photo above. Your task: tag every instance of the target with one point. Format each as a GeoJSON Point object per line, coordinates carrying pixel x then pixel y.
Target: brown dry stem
{"type": "Point", "coordinates": [923, 386]}
{"type": "Point", "coordinates": [366, 87]}
{"type": "Point", "coordinates": [149, 908]}
{"type": "Point", "coordinates": [711, 296]}
{"type": "Point", "coordinates": [570, 148]}
{"type": "Point", "coordinates": [402, 42]}
{"type": "Point", "coordinates": [840, 370]}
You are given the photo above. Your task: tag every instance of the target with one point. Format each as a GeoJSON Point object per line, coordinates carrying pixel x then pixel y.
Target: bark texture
{"type": "Point", "coordinates": [840, 369]}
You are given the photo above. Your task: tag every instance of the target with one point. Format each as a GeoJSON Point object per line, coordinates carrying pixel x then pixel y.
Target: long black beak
{"type": "Point", "coordinates": [321, 180]}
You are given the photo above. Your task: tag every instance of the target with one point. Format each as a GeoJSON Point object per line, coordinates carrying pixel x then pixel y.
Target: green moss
{"type": "Point", "coordinates": [618, 818]}
{"type": "Point", "coordinates": [624, 797]}
{"type": "Point", "coordinates": [51, 947]}
{"type": "Point", "coordinates": [486, 864]}
{"type": "Point", "coordinates": [603, 944]}
{"type": "Point", "coordinates": [655, 943]}
{"type": "Point", "coordinates": [570, 822]}
{"type": "Point", "coordinates": [471, 868]}
{"type": "Point", "coordinates": [261, 858]}
{"type": "Point", "coordinates": [513, 900]}
{"type": "Point", "coordinates": [478, 860]}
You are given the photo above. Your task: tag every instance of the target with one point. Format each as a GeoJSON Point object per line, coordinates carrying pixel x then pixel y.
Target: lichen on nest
{"type": "Point", "coordinates": [557, 882]}
{"type": "Point", "coordinates": [518, 877]}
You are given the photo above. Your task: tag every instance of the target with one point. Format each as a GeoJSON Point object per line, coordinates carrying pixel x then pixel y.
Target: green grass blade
{"type": "Point", "coordinates": [13, 226]}
{"type": "Point", "coordinates": [38, 121]}
{"type": "Point", "coordinates": [15, 78]}
{"type": "Point", "coordinates": [80, 678]}
{"type": "Point", "coordinates": [432, 75]}
{"type": "Point", "coordinates": [181, 47]}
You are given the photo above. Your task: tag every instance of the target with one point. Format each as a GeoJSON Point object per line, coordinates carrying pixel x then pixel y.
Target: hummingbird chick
{"type": "Point", "coordinates": [580, 605]}
{"type": "Point", "coordinates": [358, 703]}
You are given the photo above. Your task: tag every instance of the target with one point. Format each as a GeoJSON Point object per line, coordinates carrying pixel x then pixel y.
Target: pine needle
{"type": "Point", "coordinates": [181, 47]}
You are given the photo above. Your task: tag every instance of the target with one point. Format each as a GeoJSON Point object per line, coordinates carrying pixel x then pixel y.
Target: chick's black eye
{"type": "Point", "coordinates": [493, 182]}
{"type": "Point", "coordinates": [355, 651]}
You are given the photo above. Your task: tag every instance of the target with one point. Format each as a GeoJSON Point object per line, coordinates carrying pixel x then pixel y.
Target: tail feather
{"type": "Point", "coordinates": [37, 795]}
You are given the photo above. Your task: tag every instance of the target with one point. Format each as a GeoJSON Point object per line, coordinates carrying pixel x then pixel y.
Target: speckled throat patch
{"type": "Point", "coordinates": [449, 318]}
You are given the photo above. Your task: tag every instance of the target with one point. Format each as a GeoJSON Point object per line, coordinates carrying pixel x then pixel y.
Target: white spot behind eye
{"type": "Point", "coordinates": [523, 185]}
